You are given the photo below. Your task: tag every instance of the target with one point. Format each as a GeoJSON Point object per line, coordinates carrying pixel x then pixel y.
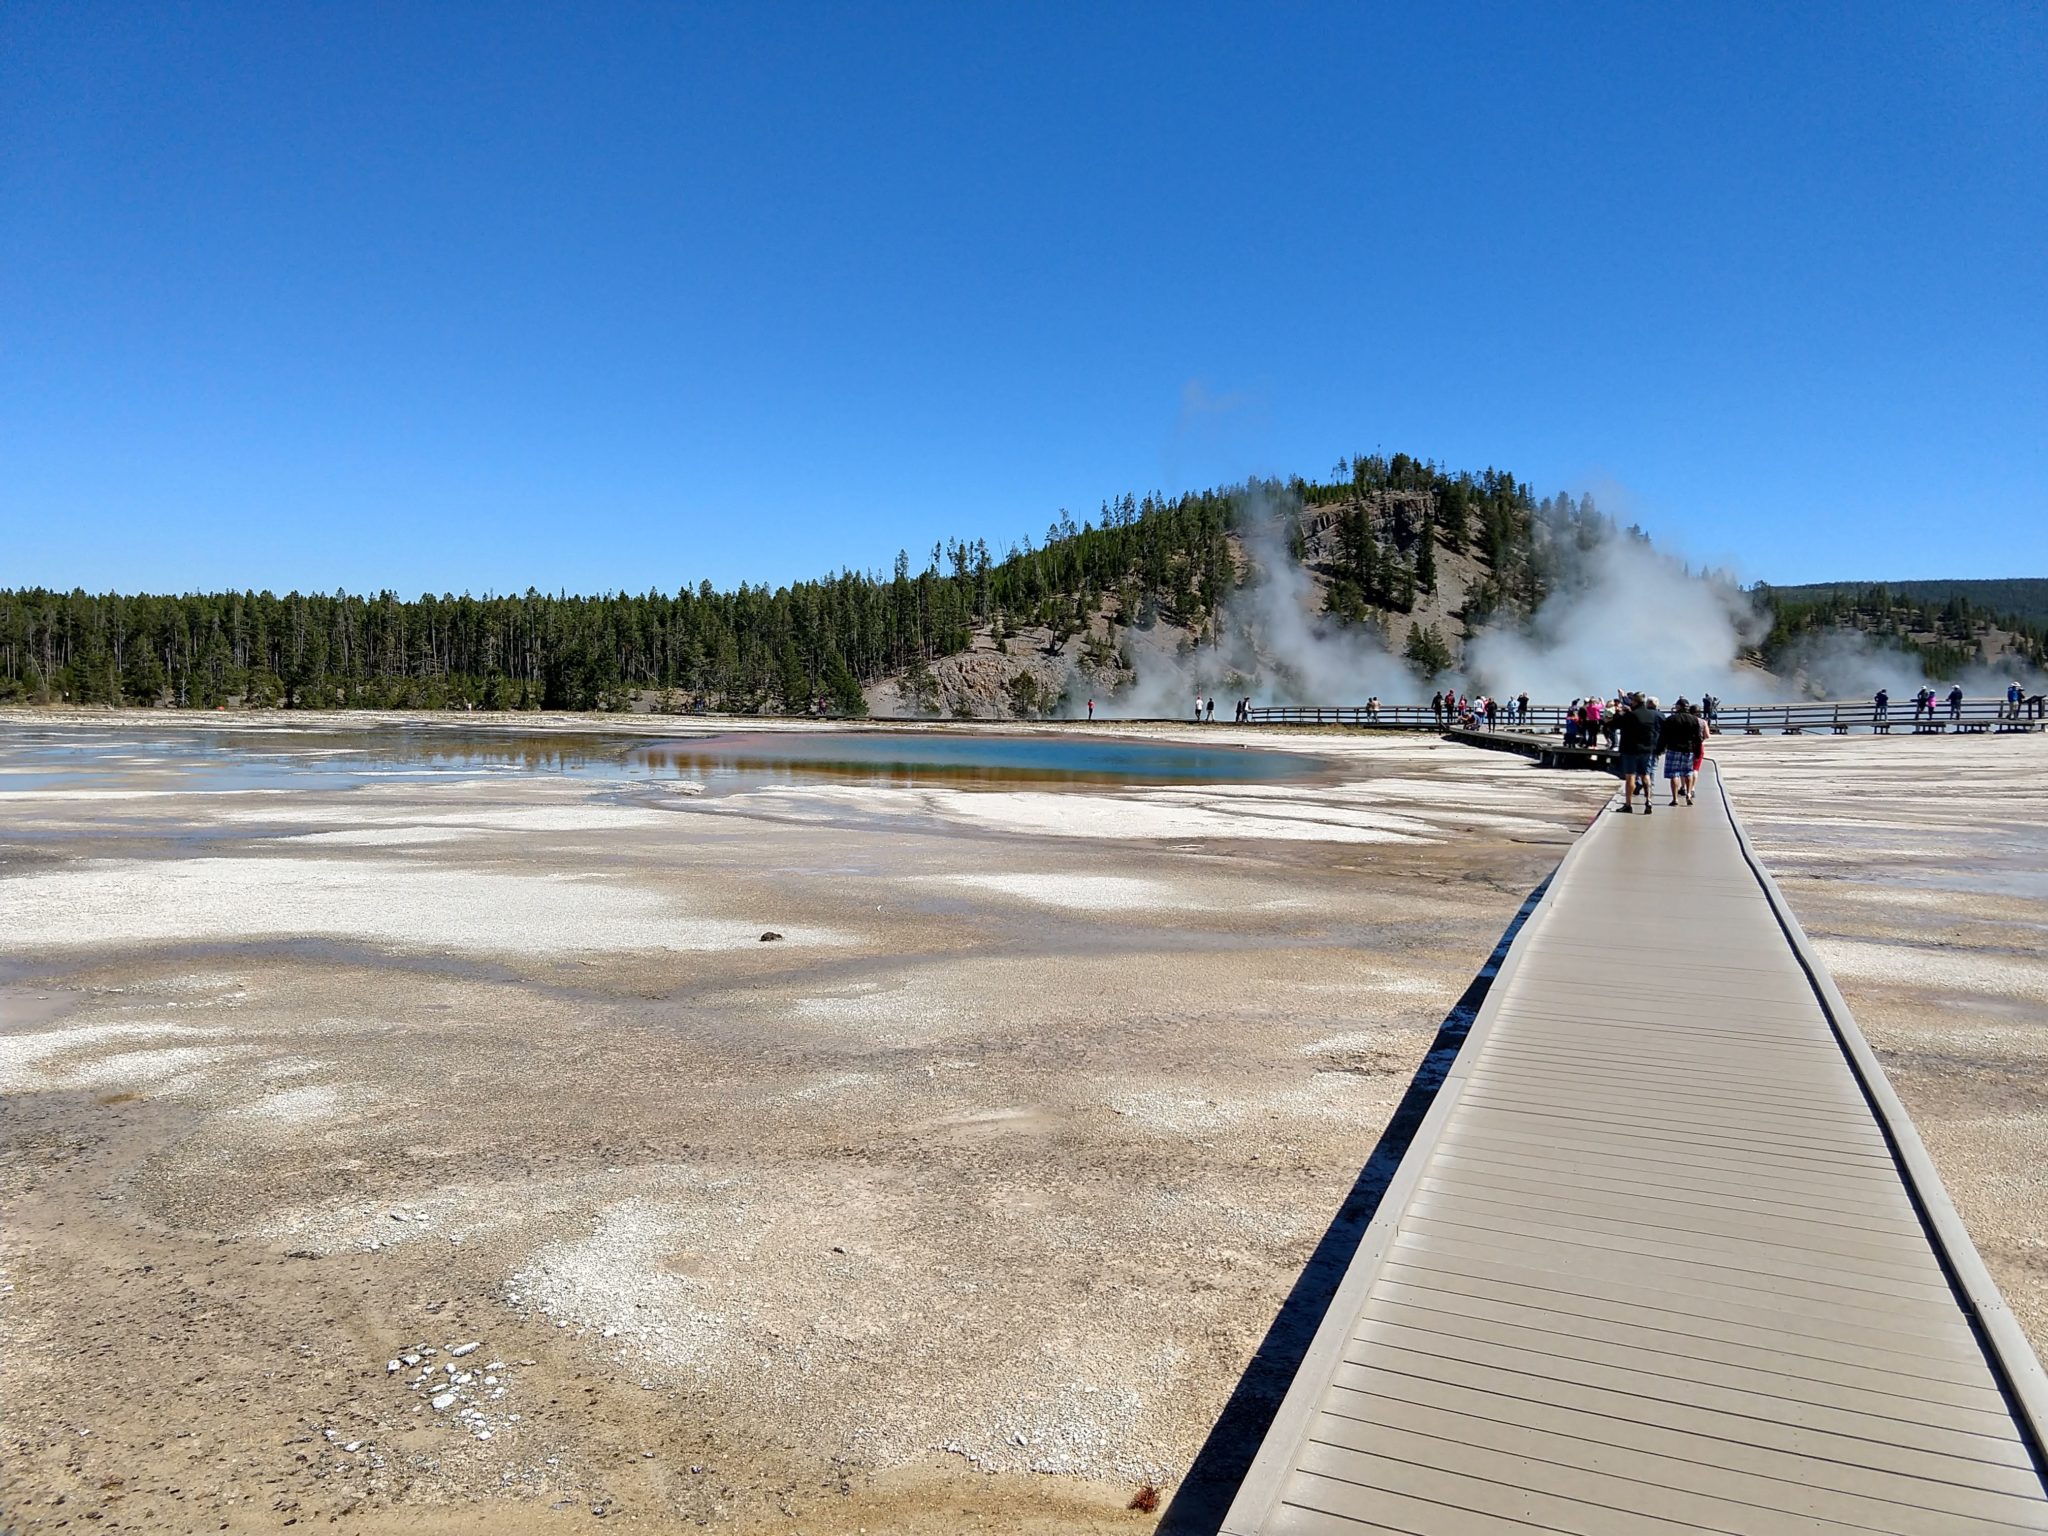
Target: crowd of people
{"type": "Point", "coordinates": [1483, 711]}
{"type": "Point", "coordinates": [1592, 722]}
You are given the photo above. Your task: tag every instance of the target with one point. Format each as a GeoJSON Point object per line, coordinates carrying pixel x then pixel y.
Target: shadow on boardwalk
{"type": "Point", "coordinates": [1204, 1496]}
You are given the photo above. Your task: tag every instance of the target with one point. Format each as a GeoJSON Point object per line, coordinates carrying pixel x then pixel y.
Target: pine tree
{"type": "Point", "coordinates": [1426, 651]}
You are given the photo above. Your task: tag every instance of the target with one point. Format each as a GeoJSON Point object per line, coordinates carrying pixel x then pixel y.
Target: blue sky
{"type": "Point", "coordinates": [628, 296]}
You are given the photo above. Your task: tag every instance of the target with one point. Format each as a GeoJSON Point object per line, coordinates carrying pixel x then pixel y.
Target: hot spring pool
{"type": "Point", "coordinates": [238, 757]}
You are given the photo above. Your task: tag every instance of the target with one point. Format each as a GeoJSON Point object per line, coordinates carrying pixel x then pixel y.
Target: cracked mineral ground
{"type": "Point", "coordinates": [409, 1127]}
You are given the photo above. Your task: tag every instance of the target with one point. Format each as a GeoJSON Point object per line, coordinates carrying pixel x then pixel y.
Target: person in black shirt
{"type": "Point", "coordinates": [1680, 742]}
{"type": "Point", "coordinates": [1637, 732]}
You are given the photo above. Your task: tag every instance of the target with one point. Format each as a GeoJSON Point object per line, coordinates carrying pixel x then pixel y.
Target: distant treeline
{"type": "Point", "coordinates": [1941, 622]}
{"type": "Point", "coordinates": [799, 648]}
{"type": "Point", "coordinates": [2023, 599]}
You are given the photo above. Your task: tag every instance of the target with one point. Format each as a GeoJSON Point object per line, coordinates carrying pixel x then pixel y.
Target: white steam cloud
{"type": "Point", "coordinates": [1272, 643]}
{"type": "Point", "coordinates": [1620, 615]}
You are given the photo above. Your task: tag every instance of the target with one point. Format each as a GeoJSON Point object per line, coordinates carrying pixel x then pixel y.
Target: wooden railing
{"type": "Point", "coordinates": [1837, 716]}
{"type": "Point", "coordinates": [1541, 717]}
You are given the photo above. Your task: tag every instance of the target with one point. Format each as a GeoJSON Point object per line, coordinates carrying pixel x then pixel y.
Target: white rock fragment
{"type": "Point", "coordinates": [443, 1401]}
{"type": "Point", "coordinates": [391, 1366]}
{"type": "Point", "coordinates": [459, 1350]}
{"type": "Point", "coordinates": [353, 1446]}
{"type": "Point", "coordinates": [410, 1359]}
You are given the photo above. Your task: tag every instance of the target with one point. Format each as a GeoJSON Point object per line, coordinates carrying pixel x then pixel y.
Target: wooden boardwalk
{"type": "Point", "coordinates": [1665, 1256]}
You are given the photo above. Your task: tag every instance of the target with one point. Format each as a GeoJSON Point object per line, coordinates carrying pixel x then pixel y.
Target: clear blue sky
{"type": "Point", "coordinates": [475, 297]}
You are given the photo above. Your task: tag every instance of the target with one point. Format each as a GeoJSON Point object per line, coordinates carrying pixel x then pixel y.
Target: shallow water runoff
{"type": "Point", "coordinates": [222, 758]}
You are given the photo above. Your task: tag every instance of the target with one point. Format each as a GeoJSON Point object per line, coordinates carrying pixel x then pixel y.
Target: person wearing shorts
{"type": "Point", "coordinates": [1680, 741]}
{"type": "Point", "coordinates": [1639, 726]}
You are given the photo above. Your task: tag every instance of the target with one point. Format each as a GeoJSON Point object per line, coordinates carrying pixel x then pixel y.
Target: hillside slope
{"type": "Point", "coordinates": [1389, 563]}
{"type": "Point", "coordinates": [1950, 627]}
{"type": "Point", "coordinates": [2024, 598]}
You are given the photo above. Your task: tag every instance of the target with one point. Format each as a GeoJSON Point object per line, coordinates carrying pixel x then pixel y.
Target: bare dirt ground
{"type": "Point", "coordinates": [1919, 866]}
{"type": "Point", "coordinates": [961, 1206]}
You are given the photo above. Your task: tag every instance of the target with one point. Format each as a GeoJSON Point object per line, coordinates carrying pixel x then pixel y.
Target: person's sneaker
{"type": "Point", "coordinates": [1648, 809]}
{"type": "Point", "coordinates": [1625, 810]}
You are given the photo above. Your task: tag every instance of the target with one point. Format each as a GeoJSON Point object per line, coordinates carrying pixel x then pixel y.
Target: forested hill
{"type": "Point", "coordinates": [1950, 625]}
{"type": "Point", "coordinates": [2023, 598]}
{"type": "Point", "coordinates": [1377, 535]}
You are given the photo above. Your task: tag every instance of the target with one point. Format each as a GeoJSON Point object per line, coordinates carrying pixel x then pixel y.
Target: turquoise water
{"type": "Point", "coordinates": [900, 757]}
{"type": "Point", "coordinates": [191, 758]}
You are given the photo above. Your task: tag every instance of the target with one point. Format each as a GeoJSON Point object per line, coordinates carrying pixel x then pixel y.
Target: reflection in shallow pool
{"type": "Point", "coordinates": [189, 758]}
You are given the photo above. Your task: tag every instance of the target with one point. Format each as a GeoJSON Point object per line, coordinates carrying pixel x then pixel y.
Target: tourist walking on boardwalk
{"type": "Point", "coordinates": [1489, 711]}
{"type": "Point", "coordinates": [1522, 709]}
{"type": "Point", "coordinates": [1638, 729]}
{"type": "Point", "coordinates": [1680, 742]}
{"type": "Point", "coordinates": [1955, 702]}
{"type": "Point", "coordinates": [1883, 702]}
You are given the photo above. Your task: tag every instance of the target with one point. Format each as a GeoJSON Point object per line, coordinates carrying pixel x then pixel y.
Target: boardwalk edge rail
{"type": "Point", "coordinates": [2006, 1347]}
{"type": "Point", "coordinates": [1267, 1476]}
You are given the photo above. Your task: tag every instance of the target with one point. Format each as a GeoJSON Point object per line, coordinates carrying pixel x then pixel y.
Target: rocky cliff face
{"type": "Point", "coordinates": [1026, 675]}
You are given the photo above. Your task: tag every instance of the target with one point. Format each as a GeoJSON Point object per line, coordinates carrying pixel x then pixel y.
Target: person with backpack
{"type": "Point", "coordinates": [1637, 730]}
